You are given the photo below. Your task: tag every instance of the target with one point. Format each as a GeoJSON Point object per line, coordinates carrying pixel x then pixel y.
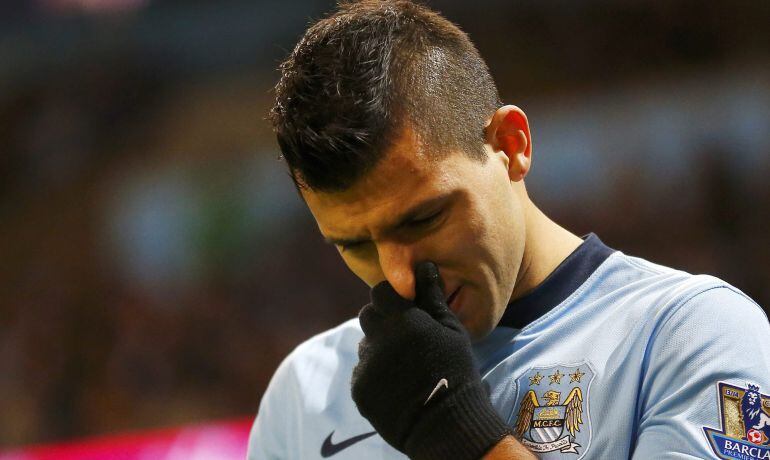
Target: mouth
{"type": "Point", "coordinates": [451, 299]}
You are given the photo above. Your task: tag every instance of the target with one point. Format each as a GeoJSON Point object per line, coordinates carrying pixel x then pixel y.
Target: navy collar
{"type": "Point", "coordinates": [563, 281]}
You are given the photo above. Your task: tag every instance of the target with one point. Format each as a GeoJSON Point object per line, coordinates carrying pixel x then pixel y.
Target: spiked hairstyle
{"type": "Point", "coordinates": [357, 78]}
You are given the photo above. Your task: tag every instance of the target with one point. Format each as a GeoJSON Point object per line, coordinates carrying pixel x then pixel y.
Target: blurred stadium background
{"type": "Point", "coordinates": [156, 265]}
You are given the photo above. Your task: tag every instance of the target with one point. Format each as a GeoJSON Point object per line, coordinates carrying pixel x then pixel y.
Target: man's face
{"type": "Point", "coordinates": [462, 214]}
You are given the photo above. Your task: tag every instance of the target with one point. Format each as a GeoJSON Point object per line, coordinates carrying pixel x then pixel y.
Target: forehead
{"type": "Point", "coordinates": [405, 176]}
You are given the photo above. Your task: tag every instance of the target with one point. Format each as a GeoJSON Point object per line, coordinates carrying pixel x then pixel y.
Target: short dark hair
{"type": "Point", "coordinates": [359, 76]}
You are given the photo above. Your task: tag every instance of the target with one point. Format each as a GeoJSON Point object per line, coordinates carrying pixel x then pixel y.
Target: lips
{"type": "Point", "coordinates": [452, 297]}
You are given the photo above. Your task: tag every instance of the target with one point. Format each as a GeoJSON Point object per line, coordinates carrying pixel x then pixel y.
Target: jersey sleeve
{"type": "Point", "coordinates": [270, 434]}
{"type": "Point", "coordinates": [718, 335]}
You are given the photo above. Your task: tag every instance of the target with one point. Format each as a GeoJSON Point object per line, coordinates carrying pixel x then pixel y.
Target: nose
{"type": "Point", "coordinates": [397, 263]}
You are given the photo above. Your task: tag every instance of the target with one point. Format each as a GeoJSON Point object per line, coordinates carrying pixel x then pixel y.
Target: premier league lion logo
{"type": "Point", "coordinates": [756, 421]}
{"type": "Point", "coordinates": [745, 416]}
{"type": "Point", "coordinates": [552, 414]}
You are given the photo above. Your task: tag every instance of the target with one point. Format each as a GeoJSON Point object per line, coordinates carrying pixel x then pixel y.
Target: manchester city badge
{"type": "Point", "coordinates": [745, 417]}
{"type": "Point", "coordinates": [552, 407]}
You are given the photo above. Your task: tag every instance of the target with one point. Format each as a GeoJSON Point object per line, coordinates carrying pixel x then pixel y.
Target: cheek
{"type": "Point", "coordinates": [457, 244]}
{"type": "Point", "coordinates": [463, 249]}
{"type": "Point", "coordinates": [498, 230]}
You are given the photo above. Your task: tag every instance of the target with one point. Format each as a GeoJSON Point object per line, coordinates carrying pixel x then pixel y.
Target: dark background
{"type": "Point", "coordinates": [156, 265]}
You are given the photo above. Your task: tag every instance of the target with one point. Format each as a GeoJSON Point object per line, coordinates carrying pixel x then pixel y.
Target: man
{"type": "Point", "coordinates": [493, 332]}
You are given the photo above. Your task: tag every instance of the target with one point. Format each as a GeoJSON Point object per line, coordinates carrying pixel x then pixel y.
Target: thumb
{"type": "Point", "coordinates": [429, 294]}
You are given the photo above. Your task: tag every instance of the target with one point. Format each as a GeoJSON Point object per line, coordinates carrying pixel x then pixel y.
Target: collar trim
{"type": "Point", "coordinates": [560, 284]}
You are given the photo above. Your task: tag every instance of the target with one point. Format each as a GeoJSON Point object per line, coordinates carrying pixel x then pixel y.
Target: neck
{"type": "Point", "coordinates": [546, 245]}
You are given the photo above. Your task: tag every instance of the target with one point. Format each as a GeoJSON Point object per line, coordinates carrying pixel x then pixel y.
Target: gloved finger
{"type": "Point", "coordinates": [429, 288]}
{"type": "Point", "coordinates": [387, 301]}
{"type": "Point", "coordinates": [370, 320]}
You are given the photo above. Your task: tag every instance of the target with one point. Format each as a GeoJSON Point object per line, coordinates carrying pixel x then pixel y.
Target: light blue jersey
{"type": "Point", "coordinates": [611, 357]}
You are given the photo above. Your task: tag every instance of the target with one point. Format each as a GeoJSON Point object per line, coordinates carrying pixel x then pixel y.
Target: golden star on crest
{"type": "Point", "coordinates": [555, 377]}
{"type": "Point", "coordinates": [576, 376]}
{"type": "Point", "coordinates": [535, 379]}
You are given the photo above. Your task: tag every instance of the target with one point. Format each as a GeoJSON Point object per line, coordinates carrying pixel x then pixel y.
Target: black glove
{"type": "Point", "coordinates": [408, 351]}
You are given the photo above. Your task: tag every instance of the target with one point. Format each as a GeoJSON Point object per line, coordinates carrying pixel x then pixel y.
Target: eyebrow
{"type": "Point", "coordinates": [408, 216]}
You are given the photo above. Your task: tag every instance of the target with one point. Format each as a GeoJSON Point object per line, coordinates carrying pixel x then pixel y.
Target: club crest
{"type": "Point", "coordinates": [553, 409]}
{"type": "Point", "coordinates": [745, 418]}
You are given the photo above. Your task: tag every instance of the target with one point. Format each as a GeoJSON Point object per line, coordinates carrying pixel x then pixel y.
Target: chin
{"type": "Point", "coordinates": [478, 328]}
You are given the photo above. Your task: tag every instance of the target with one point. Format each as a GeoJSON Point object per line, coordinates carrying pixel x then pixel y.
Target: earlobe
{"type": "Point", "coordinates": [519, 165]}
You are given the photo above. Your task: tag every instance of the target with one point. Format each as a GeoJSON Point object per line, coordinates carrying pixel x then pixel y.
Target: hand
{"type": "Point", "coordinates": [416, 380]}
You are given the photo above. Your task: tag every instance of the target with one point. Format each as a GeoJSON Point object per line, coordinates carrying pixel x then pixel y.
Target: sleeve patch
{"type": "Point", "coordinates": [744, 414]}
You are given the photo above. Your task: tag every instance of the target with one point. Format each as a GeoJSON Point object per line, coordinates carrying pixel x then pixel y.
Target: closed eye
{"type": "Point", "coordinates": [425, 220]}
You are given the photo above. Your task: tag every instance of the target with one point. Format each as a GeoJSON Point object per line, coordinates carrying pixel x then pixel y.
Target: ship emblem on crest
{"type": "Point", "coordinates": [745, 417]}
{"type": "Point", "coordinates": [553, 409]}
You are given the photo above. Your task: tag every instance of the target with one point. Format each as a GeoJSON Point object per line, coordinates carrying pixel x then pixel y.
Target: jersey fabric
{"type": "Point", "coordinates": [610, 357]}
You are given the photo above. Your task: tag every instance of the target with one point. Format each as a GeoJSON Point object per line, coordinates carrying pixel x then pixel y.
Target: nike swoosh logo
{"type": "Point", "coordinates": [441, 383]}
{"type": "Point", "coordinates": [329, 448]}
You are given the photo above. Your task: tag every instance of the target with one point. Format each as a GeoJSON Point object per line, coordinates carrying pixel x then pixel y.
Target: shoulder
{"type": "Point", "coordinates": [635, 273]}
{"type": "Point", "coordinates": [299, 388]}
{"type": "Point", "coordinates": [659, 292]}
{"type": "Point", "coordinates": [323, 355]}
{"type": "Point", "coordinates": [709, 334]}
{"type": "Point", "coordinates": [699, 320]}
{"type": "Point", "coordinates": [716, 317]}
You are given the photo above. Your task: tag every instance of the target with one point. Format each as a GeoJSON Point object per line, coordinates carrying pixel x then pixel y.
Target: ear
{"type": "Point", "coordinates": [508, 132]}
